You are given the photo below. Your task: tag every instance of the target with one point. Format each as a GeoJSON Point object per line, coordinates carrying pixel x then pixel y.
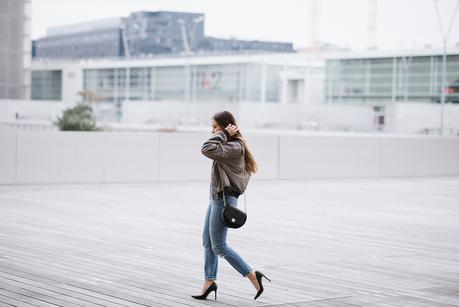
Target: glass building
{"type": "Point", "coordinates": [345, 78]}
{"type": "Point", "coordinates": [391, 78]}
{"type": "Point", "coordinates": [141, 34]}
{"type": "Point", "coordinates": [46, 85]}
{"type": "Point", "coordinates": [211, 82]}
{"type": "Point", "coordinates": [224, 78]}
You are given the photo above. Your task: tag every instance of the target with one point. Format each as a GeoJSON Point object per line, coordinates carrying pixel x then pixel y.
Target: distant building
{"type": "Point", "coordinates": [373, 77]}
{"type": "Point", "coordinates": [15, 45]}
{"type": "Point", "coordinates": [351, 91]}
{"type": "Point", "coordinates": [141, 34]}
{"type": "Point", "coordinates": [219, 44]}
{"type": "Point", "coordinates": [271, 78]}
{"type": "Point", "coordinates": [389, 76]}
{"type": "Point", "coordinates": [92, 39]}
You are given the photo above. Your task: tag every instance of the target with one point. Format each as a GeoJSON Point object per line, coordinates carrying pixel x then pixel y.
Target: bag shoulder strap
{"type": "Point", "coordinates": [245, 199]}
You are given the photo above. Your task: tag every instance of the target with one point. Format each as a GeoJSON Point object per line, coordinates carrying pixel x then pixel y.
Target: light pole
{"type": "Point", "coordinates": [127, 77]}
{"type": "Point", "coordinates": [406, 64]}
{"type": "Point", "coordinates": [443, 69]}
{"type": "Point", "coordinates": [127, 56]}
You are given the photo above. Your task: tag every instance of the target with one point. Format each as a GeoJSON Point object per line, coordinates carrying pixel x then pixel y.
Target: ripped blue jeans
{"type": "Point", "coordinates": [214, 241]}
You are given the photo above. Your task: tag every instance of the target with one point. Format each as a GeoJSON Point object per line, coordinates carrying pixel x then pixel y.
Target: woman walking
{"type": "Point", "coordinates": [232, 166]}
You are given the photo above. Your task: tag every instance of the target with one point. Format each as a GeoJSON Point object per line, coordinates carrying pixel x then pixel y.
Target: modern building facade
{"type": "Point", "coordinates": [380, 77]}
{"type": "Point", "coordinates": [304, 91]}
{"type": "Point", "coordinates": [219, 44]}
{"type": "Point", "coordinates": [345, 78]}
{"type": "Point", "coordinates": [92, 39]}
{"type": "Point", "coordinates": [231, 78]}
{"type": "Point", "coordinates": [141, 34]}
{"type": "Point", "coordinates": [15, 49]}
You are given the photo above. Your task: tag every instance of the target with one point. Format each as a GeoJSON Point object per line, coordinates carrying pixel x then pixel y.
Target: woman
{"type": "Point", "coordinates": [233, 163]}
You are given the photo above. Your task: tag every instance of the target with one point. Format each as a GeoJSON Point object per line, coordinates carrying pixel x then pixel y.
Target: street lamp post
{"type": "Point", "coordinates": [443, 69]}
{"type": "Point", "coordinates": [406, 65]}
{"type": "Point", "coordinates": [127, 77]}
{"type": "Point", "coordinates": [127, 56]}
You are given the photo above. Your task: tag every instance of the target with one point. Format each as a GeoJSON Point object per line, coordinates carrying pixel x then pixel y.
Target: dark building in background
{"type": "Point", "coordinates": [92, 39]}
{"type": "Point", "coordinates": [34, 48]}
{"type": "Point", "coordinates": [163, 32]}
{"type": "Point", "coordinates": [219, 44]}
{"type": "Point", "coordinates": [142, 33]}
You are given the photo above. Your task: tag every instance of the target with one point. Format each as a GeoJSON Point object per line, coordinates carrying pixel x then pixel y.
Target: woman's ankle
{"type": "Point", "coordinates": [253, 279]}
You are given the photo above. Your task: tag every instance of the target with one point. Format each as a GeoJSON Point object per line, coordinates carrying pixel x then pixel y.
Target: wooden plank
{"type": "Point", "coordinates": [378, 242]}
{"type": "Point", "coordinates": [11, 300]}
{"type": "Point", "coordinates": [24, 298]}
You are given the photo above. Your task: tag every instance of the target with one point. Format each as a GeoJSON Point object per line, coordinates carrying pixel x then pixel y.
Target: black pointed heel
{"type": "Point", "coordinates": [212, 287]}
{"type": "Point", "coordinates": [259, 276]}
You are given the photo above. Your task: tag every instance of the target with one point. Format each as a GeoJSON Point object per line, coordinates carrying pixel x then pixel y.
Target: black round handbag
{"type": "Point", "coordinates": [232, 217]}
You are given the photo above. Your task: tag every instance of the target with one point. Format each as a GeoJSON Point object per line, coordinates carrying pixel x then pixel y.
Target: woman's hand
{"type": "Point", "coordinates": [232, 129]}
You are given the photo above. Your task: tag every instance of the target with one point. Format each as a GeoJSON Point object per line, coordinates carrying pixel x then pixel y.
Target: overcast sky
{"type": "Point", "coordinates": [400, 23]}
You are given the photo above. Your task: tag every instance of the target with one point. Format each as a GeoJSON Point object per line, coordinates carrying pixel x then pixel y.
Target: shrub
{"type": "Point", "coordinates": [79, 118]}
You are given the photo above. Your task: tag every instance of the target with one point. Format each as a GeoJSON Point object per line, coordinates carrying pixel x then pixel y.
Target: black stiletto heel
{"type": "Point", "coordinates": [259, 276]}
{"type": "Point", "coordinates": [212, 287]}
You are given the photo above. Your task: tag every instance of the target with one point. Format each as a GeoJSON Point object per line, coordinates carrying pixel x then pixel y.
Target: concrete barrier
{"type": "Point", "coordinates": [85, 157]}
{"type": "Point", "coordinates": [98, 157]}
{"type": "Point", "coordinates": [180, 157]}
{"type": "Point", "coordinates": [8, 156]}
{"type": "Point", "coordinates": [328, 157]}
{"type": "Point", "coordinates": [430, 156]}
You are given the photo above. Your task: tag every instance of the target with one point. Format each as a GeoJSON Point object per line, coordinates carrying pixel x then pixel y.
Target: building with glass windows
{"type": "Point", "coordinates": [263, 78]}
{"type": "Point", "coordinates": [141, 34]}
{"type": "Point", "coordinates": [335, 78]}
{"type": "Point", "coordinates": [381, 77]}
{"type": "Point", "coordinates": [339, 91]}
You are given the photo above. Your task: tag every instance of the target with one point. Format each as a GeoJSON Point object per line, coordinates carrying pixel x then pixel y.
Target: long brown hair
{"type": "Point", "coordinates": [225, 118]}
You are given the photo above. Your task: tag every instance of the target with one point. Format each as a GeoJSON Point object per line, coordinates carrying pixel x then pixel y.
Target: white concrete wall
{"type": "Point", "coordinates": [266, 151]}
{"type": "Point", "coordinates": [328, 157]}
{"type": "Point", "coordinates": [8, 157]}
{"type": "Point", "coordinates": [89, 157]}
{"type": "Point", "coordinates": [77, 157]}
{"type": "Point", "coordinates": [251, 114]}
{"type": "Point", "coordinates": [414, 117]}
{"type": "Point", "coordinates": [72, 83]}
{"type": "Point", "coordinates": [32, 109]}
{"type": "Point", "coordinates": [419, 156]}
{"type": "Point", "coordinates": [173, 112]}
{"type": "Point", "coordinates": [180, 157]}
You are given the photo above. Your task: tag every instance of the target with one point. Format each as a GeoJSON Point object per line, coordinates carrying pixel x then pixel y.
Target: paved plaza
{"type": "Point", "coordinates": [390, 242]}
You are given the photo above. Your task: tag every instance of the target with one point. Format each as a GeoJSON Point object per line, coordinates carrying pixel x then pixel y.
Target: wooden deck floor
{"type": "Point", "coordinates": [334, 243]}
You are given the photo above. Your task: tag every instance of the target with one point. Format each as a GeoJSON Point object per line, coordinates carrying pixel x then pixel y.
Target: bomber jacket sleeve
{"type": "Point", "coordinates": [218, 147]}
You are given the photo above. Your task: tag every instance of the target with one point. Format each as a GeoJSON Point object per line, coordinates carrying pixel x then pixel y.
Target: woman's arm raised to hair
{"type": "Point", "coordinates": [217, 147]}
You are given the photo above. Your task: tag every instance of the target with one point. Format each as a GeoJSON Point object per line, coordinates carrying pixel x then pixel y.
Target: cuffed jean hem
{"type": "Point", "coordinates": [238, 264]}
{"type": "Point", "coordinates": [245, 275]}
